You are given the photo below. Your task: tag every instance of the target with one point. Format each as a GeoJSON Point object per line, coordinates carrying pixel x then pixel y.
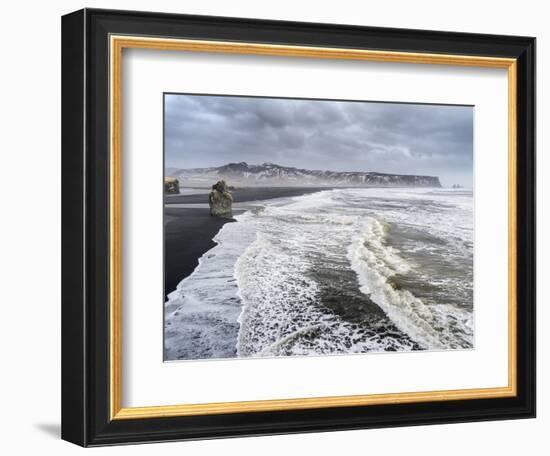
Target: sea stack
{"type": "Point", "coordinates": [171, 186]}
{"type": "Point", "coordinates": [220, 200]}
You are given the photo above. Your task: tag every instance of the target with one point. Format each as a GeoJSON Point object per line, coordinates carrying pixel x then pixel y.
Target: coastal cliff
{"type": "Point", "coordinates": [270, 174]}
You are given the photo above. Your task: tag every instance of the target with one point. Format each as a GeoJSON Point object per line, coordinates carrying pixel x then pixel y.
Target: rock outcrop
{"type": "Point", "coordinates": [171, 185]}
{"type": "Point", "coordinates": [220, 200]}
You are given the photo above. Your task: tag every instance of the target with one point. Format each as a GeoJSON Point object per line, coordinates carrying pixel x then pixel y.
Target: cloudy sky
{"type": "Point", "coordinates": [204, 131]}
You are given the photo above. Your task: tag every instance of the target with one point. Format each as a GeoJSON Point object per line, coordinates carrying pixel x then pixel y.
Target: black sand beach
{"type": "Point", "coordinates": [188, 232]}
{"type": "Point", "coordinates": [243, 195]}
{"type": "Point", "coordinates": [188, 235]}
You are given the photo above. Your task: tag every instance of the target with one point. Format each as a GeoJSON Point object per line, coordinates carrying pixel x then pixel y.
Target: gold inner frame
{"type": "Point", "coordinates": [117, 44]}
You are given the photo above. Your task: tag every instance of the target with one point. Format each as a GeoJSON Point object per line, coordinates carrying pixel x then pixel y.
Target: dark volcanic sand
{"type": "Point", "coordinates": [242, 195]}
{"type": "Point", "coordinates": [188, 232]}
{"type": "Point", "coordinates": [188, 235]}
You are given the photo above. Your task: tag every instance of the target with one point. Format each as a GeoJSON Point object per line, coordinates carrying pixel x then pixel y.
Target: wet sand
{"type": "Point", "coordinates": [242, 195]}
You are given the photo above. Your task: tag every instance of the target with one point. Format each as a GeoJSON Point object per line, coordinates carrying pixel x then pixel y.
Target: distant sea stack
{"type": "Point", "coordinates": [270, 174]}
{"type": "Point", "coordinates": [171, 185]}
{"type": "Point", "coordinates": [220, 200]}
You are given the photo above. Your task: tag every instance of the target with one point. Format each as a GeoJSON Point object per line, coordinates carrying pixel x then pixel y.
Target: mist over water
{"type": "Point", "coordinates": [338, 271]}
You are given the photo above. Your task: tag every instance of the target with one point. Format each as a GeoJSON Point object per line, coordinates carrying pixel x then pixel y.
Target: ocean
{"type": "Point", "coordinates": [334, 272]}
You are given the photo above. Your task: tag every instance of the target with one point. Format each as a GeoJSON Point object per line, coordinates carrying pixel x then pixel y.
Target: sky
{"type": "Point", "coordinates": [434, 140]}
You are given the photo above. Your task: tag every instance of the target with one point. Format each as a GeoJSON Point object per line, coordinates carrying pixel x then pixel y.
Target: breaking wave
{"type": "Point", "coordinates": [338, 271]}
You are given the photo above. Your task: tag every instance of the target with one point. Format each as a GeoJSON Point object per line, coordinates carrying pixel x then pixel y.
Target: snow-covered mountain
{"type": "Point", "coordinates": [269, 174]}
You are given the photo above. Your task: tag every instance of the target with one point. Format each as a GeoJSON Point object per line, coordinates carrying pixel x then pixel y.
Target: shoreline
{"type": "Point", "coordinates": [189, 231]}
{"type": "Point", "coordinates": [244, 195]}
{"type": "Point", "coordinates": [349, 286]}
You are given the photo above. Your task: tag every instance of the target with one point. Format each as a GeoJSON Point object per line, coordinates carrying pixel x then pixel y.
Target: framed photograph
{"type": "Point", "coordinates": [278, 227]}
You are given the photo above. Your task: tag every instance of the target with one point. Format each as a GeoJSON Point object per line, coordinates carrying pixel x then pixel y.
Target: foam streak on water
{"type": "Point", "coordinates": [339, 271]}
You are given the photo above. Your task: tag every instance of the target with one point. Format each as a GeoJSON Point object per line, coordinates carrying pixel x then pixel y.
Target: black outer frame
{"type": "Point", "coordinates": [85, 227]}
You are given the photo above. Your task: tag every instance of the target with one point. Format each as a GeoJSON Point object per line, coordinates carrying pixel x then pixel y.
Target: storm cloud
{"type": "Point", "coordinates": [203, 131]}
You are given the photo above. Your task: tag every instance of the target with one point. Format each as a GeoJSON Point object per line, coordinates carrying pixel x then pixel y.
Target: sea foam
{"type": "Point", "coordinates": [279, 280]}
